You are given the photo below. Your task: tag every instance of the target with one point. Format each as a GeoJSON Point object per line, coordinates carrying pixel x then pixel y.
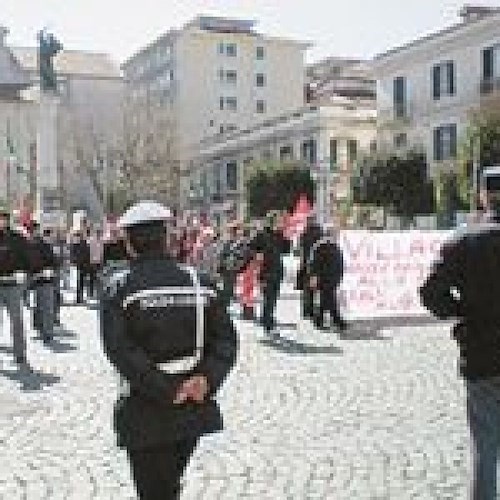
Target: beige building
{"type": "Point", "coordinates": [428, 89]}
{"type": "Point", "coordinates": [212, 76]}
{"type": "Point", "coordinates": [327, 140]}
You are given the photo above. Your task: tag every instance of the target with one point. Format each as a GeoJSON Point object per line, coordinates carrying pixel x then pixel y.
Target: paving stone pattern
{"type": "Point", "coordinates": [373, 415]}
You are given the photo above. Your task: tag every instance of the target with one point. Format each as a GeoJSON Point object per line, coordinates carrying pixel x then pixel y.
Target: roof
{"type": "Point", "coordinates": [466, 21]}
{"type": "Point", "coordinates": [71, 62]}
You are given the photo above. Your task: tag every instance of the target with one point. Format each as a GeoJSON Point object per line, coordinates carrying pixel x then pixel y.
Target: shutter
{"type": "Point", "coordinates": [488, 64]}
{"type": "Point", "coordinates": [436, 82]}
{"type": "Point", "coordinates": [438, 144]}
{"type": "Point", "coordinates": [450, 66]}
{"type": "Point", "coordinates": [453, 140]}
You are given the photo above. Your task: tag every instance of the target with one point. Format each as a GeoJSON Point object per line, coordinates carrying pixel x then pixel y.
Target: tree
{"type": "Point", "coordinates": [276, 186]}
{"type": "Point", "coordinates": [399, 185]}
{"type": "Point", "coordinates": [481, 143]}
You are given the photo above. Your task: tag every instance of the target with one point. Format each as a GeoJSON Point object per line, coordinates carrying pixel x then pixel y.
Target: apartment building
{"type": "Point", "coordinates": [327, 140]}
{"type": "Point", "coordinates": [428, 88]}
{"type": "Point", "coordinates": [213, 76]}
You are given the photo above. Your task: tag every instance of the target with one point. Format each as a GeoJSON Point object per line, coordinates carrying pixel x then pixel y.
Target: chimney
{"type": "Point", "coordinates": [470, 12]}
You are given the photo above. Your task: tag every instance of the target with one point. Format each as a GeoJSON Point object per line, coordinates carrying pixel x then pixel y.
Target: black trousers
{"type": "Point", "coordinates": [81, 278]}
{"type": "Point", "coordinates": [270, 295]}
{"type": "Point", "coordinates": [157, 472]}
{"type": "Point", "coordinates": [307, 302]}
{"type": "Point", "coordinates": [328, 302]}
{"type": "Point", "coordinates": [93, 275]}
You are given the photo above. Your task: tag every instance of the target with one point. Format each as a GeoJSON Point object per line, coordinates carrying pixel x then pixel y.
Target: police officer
{"type": "Point", "coordinates": [269, 246]}
{"type": "Point", "coordinates": [311, 235]}
{"type": "Point", "coordinates": [14, 264]}
{"type": "Point", "coordinates": [172, 342]}
{"type": "Point", "coordinates": [465, 284]}
{"type": "Point", "coordinates": [44, 281]}
{"type": "Point", "coordinates": [326, 268]}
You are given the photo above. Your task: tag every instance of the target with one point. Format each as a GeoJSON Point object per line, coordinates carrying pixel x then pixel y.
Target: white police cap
{"type": "Point", "coordinates": [144, 212]}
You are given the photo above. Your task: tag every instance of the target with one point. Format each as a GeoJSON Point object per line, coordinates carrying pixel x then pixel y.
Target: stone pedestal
{"type": "Point", "coordinates": [49, 192]}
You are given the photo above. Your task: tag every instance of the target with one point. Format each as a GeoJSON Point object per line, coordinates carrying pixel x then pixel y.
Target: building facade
{"type": "Point", "coordinates": [428, 90]}
{"type": "Point", "coordinates": [327, 140]}
{"type": "Point", "coordinates": [214, 75]}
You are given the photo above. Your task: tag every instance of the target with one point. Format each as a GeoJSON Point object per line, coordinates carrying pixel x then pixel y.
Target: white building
{"type": "Point", "coordinates": [427, 89]}
{"type": "Point", "coordinates": [328, 140]}
{"type": "Point", "coordinates": [216, 75]}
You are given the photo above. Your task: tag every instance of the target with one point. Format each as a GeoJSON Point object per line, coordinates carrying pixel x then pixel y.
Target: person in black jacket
{"type": "Point", "coordinates": [14, 265]}
{"type": "Point", "coordinates": [311, 235]}
{"type": "Point", "coordinates": [326, 268]}
{"type": "Point", "coordinates": [167, 333]}
{"type": "Point", "coordinates": [43, 280]}
{"type": "Point", "coordinates": [80, 258]}
{"type": "Point", "coordinates": [464, 284]}
{"type": "Point", "coordinates": [269, 246]}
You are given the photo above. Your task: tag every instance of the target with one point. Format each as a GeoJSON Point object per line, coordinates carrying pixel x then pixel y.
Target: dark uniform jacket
{"type": "Point", "coordinates": [310, 236]}
{"type": "Point", "coordinates": [80, 254]}
{"type": "Point", "coordinates": [465, 284]}
{"type": "Point", "coordinates": [114, 251]}
{"type": "Point", "coordinates": [326, 262]}
{"type": "Point", "coordinates": [14, 255]}
{"type": "Point", "coordinates": [156, 327]}
{"type": "Point", "coordinates": [43, 261]}
{"type": "Point", "coordinates": [273, 245]}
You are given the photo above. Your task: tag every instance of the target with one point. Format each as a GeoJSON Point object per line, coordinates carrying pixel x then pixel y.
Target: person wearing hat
{"type": "Point", "coordinates": [14, 265]}
{"type": "Point", "coordinates": [325, 269]}
{"type": "Point", "coordinates": [464, 284]}
{"type": "Point", "coordinates": [168, 335]}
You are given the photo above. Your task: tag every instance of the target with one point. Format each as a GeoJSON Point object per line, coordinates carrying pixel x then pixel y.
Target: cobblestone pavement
{"type": "Point", "coordinates": [374, 415]}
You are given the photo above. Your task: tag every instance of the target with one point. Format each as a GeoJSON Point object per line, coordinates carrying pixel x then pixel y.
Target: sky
{"type": "Point", "coordinates": [353, 28]}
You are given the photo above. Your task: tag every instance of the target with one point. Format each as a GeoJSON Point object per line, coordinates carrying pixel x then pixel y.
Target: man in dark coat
{"type": "Point", "coordinates": [326, 269]}
{"type": "Point", "coordinates": [14, 265]}
{"type": "Point", "coordinates": [269, 246]}
{"type": "Point", "coordinates": [465, 284]}
{"type": "Point", "coordinates": [170, 338]}
{"type": "Point", "coordinates": [311, 235]}
{"type": "Point", "coordinates": [43, 281]}
{"type": "Point", "coordinates": [80, 258]}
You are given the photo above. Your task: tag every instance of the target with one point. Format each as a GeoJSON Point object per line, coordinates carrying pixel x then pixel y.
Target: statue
{"type": "Point", "coordinates": [48, 47]}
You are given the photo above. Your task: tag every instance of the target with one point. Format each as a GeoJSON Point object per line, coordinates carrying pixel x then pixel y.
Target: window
{"type": "Point", "coordinates": [222, 75]}
{"type": "Point", "coordinates": [399, 97]}
{"type": "Point", "coordinates": [221, 129]}
{"type": "Point", "coordinates": [231, 127]}
{"type": "Point", "coordinates": [400, 141]}
{"type": "Point", "coordinates": [286, 152]}
{"type": "Point", "coordinates": [231, 76]}
{"type": "Point", "coordinates": [373, 146]}
{"type": "Point", "coordinates": [333, 153]}
{"type": "Point", "coordinates": [309, 151]}
{"type": "Point", "coordinates": [443, 80]}
{"type": "Point", "coordinates": [221, 48]}
{"type": "Point", "coordinates": [231, 103]}
{"type": "Point", "coordinates": [211, 123]}
{"type": "Point", "coordinates": [231, 50]}
{"type": "Point", "coordinates": [352, 151]}
{"type": "Point", "coordinates": [260, 80]}
{"type": "Point", "coordinates": [221, 103]}
{"type": "Point", "coordinates": [491, 68]}
{"type": "Point", "coordinates": [260, 53]}
{"type": "Point", "coordinates": [232, 176]}
{"type": "Point", "coordinates": [261, 106]}
{"type": "Point", "coordinates": [445, 142]}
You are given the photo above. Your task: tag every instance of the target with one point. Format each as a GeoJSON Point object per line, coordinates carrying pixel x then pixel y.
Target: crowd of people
{"type": "Point", "coordinates": [38, 266]}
